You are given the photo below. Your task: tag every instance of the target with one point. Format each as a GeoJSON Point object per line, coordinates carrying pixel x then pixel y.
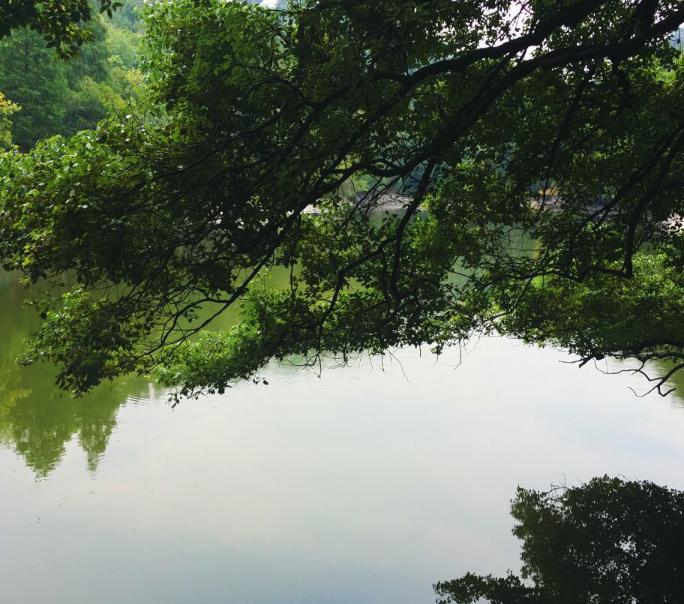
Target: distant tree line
{"type": "Point", "coordinates": [50, 96]}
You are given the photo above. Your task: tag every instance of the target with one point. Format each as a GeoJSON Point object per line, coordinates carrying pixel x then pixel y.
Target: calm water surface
{"type": "Point", "coordinates": [365, 486]}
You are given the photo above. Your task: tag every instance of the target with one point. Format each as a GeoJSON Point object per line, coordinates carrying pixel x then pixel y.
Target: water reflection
{"type": "Point", "coordinates": [38, 426]}
{"type": "Point", "coordinates": [36, 420]}
{"type": "Point", "coordinates": [365, 486]}
{"type": "Point", "coordinates": [610, 541]}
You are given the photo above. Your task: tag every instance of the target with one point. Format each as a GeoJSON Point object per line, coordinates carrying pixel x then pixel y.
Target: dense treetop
{"type": "Point", "coordinates": [537, 146]}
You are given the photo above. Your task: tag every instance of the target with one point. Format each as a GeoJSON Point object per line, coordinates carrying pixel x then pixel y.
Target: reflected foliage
{"type": "Point", "coordinates": [610, 541]}
{"type": "Point", "coordinates": [36, 421]}
{"type": "Point", "coordinates": [38, 426]}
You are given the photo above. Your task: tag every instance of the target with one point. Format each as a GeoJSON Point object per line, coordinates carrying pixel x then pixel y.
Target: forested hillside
{"type": "Point", "coordinates": [43, 96]}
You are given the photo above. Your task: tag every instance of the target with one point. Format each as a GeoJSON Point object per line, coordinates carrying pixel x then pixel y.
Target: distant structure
{"type": "Point", "coordinates": [365, 200]}
{"type": "Point", "coordinates": [385, 201]}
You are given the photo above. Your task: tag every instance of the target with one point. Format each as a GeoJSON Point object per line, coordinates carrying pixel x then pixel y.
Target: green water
{"type": "Point", "coordinates": [36, 420]}
{"type": "Point", "coordinates": [366, 485]}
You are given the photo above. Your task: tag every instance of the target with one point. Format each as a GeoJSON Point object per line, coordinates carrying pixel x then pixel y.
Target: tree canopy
{"type": "Point", "coordinates": [535, 149]}
{"type": "Point", "coordinates": [611, 541]}
{"type": "Point", "coordinates": [63, 23]}
{"type": "Point", "coordinates": [63, 97]}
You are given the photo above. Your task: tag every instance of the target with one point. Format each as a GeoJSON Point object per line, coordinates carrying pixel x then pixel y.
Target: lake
{"type": "Point", "coordinates": [366, 485]}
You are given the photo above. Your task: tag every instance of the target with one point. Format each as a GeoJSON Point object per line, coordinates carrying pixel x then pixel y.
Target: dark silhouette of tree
{"type": "Point", "coordinates": [610, 541]}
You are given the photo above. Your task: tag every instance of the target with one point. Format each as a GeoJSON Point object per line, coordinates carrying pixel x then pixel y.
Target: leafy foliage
{"type": "Point", "coordinates": [57, 20]}
{"type": "Point", "coordinates": [62, 98]}
{"type": "Point", "coordinates": [610, 541]}
{"type": "Point", "coordinates": [538, 146]}
{"type": "Point", "coordinates": [127, 16]}
{"type": "Point", "coordinates": [31, 77]}
{"type": "Point", "coordinates": [7, 108]}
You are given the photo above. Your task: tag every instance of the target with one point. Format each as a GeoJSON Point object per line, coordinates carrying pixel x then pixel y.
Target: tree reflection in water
{"type": "Point", "coordinates": [610, 541]}
{"type": "Point", "coordinates": [36, 420]}
{"type": "Point", "coordinates": [38, 426]}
